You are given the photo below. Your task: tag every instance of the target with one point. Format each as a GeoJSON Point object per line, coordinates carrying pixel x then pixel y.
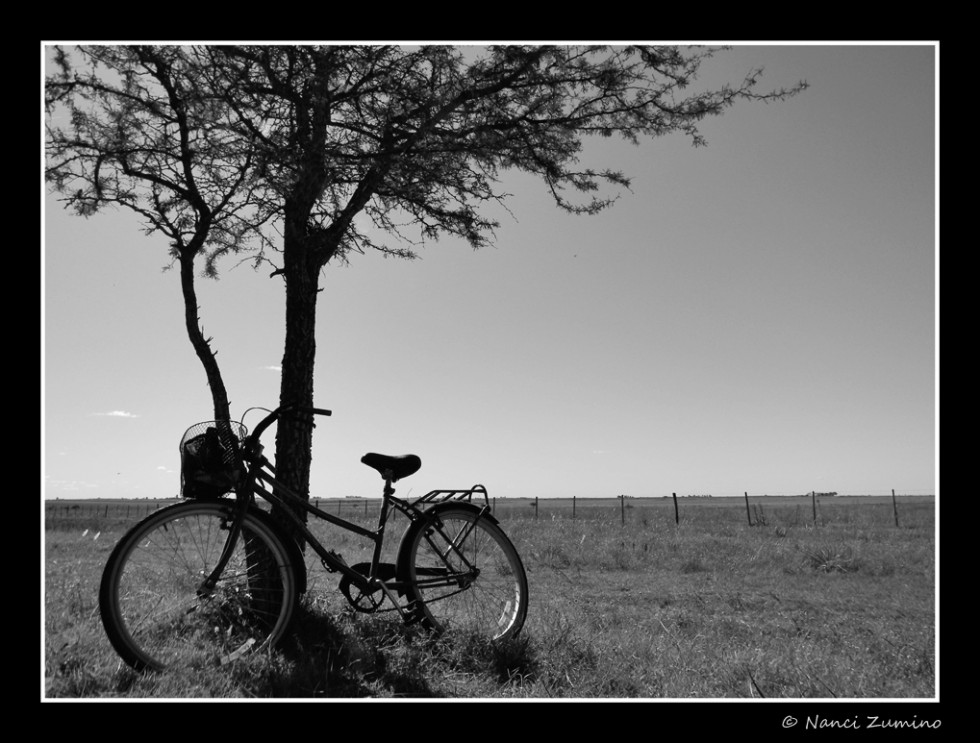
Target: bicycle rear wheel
{"type": "Point", "coordinates": [464, 574]}
{"type": "Point", "coordinates": [151, 599]}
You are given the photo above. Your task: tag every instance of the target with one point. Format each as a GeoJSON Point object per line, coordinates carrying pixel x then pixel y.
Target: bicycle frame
{"type": "Point", "coordinates": [272, 490]}
{"type": "Point", "coordinates": [260, 481]}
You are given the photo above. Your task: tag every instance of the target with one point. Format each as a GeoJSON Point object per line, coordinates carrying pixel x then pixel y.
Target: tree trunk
{"type": "Point", "coordinates": [202, 346]}
{"type": "Point", "coordinates": [294, 434]}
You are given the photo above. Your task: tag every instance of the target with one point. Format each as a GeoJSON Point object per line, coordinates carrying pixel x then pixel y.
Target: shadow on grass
{"type": "Point", "coordinates": [345, 656]}
{"type": "Point", "coordinates": [355, 655]}
{"type": "Point", "coordinates": [324, 655]}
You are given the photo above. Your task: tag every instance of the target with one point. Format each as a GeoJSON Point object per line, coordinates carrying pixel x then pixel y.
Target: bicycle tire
{"type": "Point", "coordinates": [149, 595]}
{"type": "Point", "coordinates": [479, 586]}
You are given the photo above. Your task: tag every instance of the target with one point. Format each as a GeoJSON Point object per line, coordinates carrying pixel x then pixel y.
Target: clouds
{"type": "Point", "coordinates": [117, 414]}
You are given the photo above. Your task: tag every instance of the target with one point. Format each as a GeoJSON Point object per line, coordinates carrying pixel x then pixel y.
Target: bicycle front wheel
{"type": "Point", "coordinates": [464, 574]}
{"type": "Point", "coordinates": [156, 609]}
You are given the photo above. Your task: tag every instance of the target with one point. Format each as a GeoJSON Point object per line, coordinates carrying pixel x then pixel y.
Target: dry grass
{"type": "Point", "coordinates": [711, 608]}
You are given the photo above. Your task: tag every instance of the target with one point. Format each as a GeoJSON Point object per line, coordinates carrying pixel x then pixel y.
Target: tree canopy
{"type": "Point", "coordinates": [300, 156]}
{"type": "Point", "coordinates": [236, 137]}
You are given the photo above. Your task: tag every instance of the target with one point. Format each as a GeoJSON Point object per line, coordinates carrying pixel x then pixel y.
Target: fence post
{"type": "Point", "coordinates": [573, 506]}
{"type": "Point", "coordinates": [677, 516]}
{"type": "Point", "coordinates": [813, 498]}
{"type": "Point", "coordinates": [622, 510]}
{"type": "Point", "coordinates": [535, 508]}
{"type": "Point", "coordinates": [895, 506]}
{"type": "Point", "coordinates": [747, 512]}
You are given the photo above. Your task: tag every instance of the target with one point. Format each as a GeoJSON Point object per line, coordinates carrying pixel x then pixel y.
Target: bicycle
{"type": "Point", "coordinates": [214, 578]}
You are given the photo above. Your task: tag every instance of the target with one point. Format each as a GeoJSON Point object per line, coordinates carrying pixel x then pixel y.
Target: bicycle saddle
{"type": "Point", "coordinates": [400, 467]}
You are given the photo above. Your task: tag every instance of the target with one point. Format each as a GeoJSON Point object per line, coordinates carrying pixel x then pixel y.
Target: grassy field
{"type": "Point", "coordinates": [625, 604]}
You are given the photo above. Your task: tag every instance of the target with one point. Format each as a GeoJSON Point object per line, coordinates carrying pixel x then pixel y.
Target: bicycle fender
{"type": "Point", "coordinates": [402, 560]}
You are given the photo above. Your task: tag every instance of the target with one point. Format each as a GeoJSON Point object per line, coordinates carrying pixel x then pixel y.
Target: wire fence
{"type": "Point", "coordinates": [754, 510]}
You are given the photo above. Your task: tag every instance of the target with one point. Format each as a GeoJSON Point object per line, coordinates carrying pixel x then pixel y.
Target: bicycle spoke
{"type": "Point", "coordinates": [152, 599]}
{"type": "Point", "coordinates": [467, 575]}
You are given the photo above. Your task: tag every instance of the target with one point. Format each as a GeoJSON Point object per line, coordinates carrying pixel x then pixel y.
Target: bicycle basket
{"type": "Point", "coordinates": [210, 459]}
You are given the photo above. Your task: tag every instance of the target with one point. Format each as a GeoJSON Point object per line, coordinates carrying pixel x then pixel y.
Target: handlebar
{"type": "Point", "coordinates": [259, 429]}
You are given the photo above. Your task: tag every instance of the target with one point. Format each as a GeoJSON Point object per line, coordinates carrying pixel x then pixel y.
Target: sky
{"type": "Point", "coordinates": [758, 315]}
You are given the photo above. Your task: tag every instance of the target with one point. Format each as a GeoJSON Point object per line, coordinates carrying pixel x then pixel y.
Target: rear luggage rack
{"type": "Point", "coordinates": [440, 496]}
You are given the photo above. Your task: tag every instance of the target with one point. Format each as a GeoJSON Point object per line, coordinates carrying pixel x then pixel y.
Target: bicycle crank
{"type": "Point", "coordinates": [370, 598]}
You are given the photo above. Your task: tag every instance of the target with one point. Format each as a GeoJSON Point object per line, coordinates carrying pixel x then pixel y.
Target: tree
{"type": "Point", "coordinates": [297, 151]}
{"type": "Point", "coordinates": [142, 137]}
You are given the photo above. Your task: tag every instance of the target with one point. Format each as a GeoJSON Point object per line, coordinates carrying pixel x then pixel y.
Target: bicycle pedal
{"type": "Point", "coordinates": [413, 614]}
{"type": "Point", "coordinates": [339, 558]}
